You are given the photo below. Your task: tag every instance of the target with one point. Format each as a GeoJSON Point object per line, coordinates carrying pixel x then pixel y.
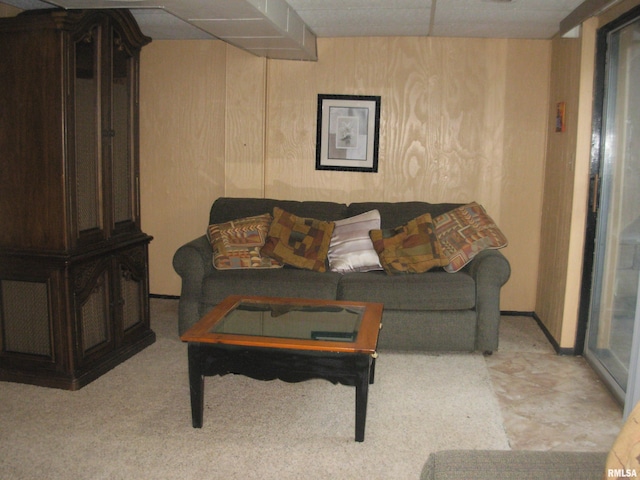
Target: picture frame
{"type": "Point", "coordinates": [348, 133]}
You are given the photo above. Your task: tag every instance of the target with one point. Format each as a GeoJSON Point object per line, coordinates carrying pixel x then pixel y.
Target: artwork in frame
{"type": "Point", "coordinates": [348, 133]}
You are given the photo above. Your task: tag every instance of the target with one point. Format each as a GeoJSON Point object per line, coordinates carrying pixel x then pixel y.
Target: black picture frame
{"type": "Point", "coordinates": [348, 133]}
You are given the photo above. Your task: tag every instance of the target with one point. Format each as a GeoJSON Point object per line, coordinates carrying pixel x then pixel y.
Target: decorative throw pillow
{"type": "Point", "coordinates": [466, 231]}
{"type": "Point", "coordinates": [411, 248]}
{"type": "Point", "coordinates": [237, 244]}
{"type": "Point", "coordinates": [300, 242]}
{"type": "Point", "coordinates": [351, 249]}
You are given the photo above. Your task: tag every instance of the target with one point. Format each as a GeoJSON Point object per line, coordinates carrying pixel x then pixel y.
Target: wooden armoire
{"type": "Point", "coordinates": [74, 288]}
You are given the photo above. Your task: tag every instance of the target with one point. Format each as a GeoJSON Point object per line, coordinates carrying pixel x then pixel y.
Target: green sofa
{"type": "Point", "coordinates": [432, 311]}
{"type": "Point", "coordinates": [621, 462]}
{"type": "Point", "coordinates": [514, 464]}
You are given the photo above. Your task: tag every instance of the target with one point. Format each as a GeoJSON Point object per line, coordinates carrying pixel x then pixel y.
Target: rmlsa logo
{"type": "Point", "coordinates": [621, 473]}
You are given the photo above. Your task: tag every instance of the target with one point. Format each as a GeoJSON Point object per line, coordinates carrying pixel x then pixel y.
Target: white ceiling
{"type": "Point", "coordinates": [288, 28]}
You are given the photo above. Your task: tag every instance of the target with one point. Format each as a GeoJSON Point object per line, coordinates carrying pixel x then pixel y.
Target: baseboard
{"type": "Point", "coordinates": [514, 313]}
{"type": "Point", "coordinates": [166, 297]}
{"type": "Point", "coordinates": [506, 313]}
{"type": "Point", "coordinates": [552, 341]}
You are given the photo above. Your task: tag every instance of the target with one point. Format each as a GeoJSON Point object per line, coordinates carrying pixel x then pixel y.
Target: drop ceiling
{"type": "Point", "coordinates": [288, 29]}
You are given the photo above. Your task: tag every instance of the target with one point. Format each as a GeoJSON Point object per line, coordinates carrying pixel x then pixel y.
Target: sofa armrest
{"type": "Point", "coordinates": [510, 464]}
{"type": "Point", "coordinates": [490, 269]}
{"type": "Point", "coordinates": [192, 261]}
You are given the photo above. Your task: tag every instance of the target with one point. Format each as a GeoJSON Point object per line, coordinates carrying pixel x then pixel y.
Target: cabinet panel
{"type": "Point", "coordinates": [92, 301]}
{"type": "Point", "coordinates": [123, 151]}
{"type": "Point", "coordinates": [25, 318]}
{"type": "Point", "coordinates": [132, 291]}
{"type": "Point", "coordinates": [88, 167]}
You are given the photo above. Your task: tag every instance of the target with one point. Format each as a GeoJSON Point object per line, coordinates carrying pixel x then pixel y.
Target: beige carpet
{"type": "Point", "coordinates": [135, 421]}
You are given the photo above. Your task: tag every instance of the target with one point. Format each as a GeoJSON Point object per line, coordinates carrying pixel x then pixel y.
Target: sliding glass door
{"type": "Point", "coordinates": [614, 295]}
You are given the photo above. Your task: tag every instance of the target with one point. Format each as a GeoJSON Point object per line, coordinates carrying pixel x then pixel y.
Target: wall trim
{"type": "Point", "coordinates": [506, 313]}
{"type": "Point", "coordinates": [166, 297]}
{"type": "Point", "coordinates": [552, 341]}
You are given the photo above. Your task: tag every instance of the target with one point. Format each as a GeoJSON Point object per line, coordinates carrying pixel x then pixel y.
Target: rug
{"type": "Point", "coordinates": [135, 421]}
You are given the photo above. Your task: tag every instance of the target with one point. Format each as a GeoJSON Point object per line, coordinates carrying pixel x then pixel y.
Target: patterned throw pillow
{"type": "Point", "coordinates": [466, 231]}
{"type": "Point", "coordinates": [411, 248]}
{"type": "Point", "coordinates": [237, 244]}
{"type": "Point", "coordinates": [351, 249]}
{"type": "Point", "coordinates": [300, 242]}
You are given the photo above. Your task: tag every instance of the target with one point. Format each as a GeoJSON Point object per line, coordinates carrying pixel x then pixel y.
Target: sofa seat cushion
{"type": "Point", "coordinates": [513, 464]}
{"type": "Point", "coordinates": [434, 290]}
{"type": "Point", "coordinates": [283, 282]}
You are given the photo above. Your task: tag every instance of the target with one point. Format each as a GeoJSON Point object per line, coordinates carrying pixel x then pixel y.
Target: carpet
{"type": "Point", "coordinates": [135, 421]}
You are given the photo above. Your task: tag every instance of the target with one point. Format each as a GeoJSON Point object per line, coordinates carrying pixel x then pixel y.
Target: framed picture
{"type": "Point", "coordinates": [348, 133]}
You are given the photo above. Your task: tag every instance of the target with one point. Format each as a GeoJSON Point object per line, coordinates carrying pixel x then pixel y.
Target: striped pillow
{"type": "Point", "coordinates": [466, 231]}
{"type": "Point", "coordinates": [237, 244]}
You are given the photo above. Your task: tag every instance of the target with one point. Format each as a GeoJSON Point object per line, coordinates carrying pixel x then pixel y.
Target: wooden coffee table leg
{"type": "Point", "coordinates": [196, 385]}
{"type": "Point", "coordinates": [362, 394]}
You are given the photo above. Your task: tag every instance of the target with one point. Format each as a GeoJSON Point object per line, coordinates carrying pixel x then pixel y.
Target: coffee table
{"type": "Point", "coordinates": [290, 339]}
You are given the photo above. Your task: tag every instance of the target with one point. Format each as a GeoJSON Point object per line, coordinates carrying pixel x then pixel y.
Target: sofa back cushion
{"type": "Point", "coordinates": [395, 214]}
{"type": "Point", "coordinates": [226, 209]}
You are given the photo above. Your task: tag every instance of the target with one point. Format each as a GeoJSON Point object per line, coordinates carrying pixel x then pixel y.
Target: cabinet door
{"type": "Point", "coordinates": [88, 206]}
{"type": "Point", "coordinates": [132, 287]}
{"type": "Point", "coordinates": [122, 125]}
{"type": "Point", "coordinates": [104, 128]}
{"type": "Point", "coordinates": [93, 309]}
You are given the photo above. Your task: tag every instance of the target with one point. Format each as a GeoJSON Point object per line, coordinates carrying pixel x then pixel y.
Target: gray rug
{"type": "Point", "coordinates": [135, 421]}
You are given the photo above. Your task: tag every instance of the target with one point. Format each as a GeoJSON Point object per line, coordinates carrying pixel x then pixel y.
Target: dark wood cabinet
{"type": "Point", "coordinates": [73, 258]}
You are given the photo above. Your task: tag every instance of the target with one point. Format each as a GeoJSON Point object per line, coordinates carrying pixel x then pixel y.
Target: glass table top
{"type": "Point", "coordinates": [303, 322]}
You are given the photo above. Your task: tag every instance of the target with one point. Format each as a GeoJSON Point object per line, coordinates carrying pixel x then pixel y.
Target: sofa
{"type": "Point", "coordinates": [431, 311]}
{"type": "Point", "coordinates": [621, 461]}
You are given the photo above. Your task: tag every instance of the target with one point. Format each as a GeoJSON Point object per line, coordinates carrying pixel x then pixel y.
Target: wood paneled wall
{"type": "Point", "coordinates": [567, 179]}
{"type": "Point", "coordinates": [560, 176]}
{"type": "Point", "coordinates": [461, 120]}
{"type": "Point", "coordinates": [182, 147]}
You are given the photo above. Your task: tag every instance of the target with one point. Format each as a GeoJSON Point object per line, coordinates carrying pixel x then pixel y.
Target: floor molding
{"type": "Point", "coordinates": [507, 313]}
{"type": "Point", "coordinates": [534, 315]}
{"type": "Point", "coordinates": [165, 297]}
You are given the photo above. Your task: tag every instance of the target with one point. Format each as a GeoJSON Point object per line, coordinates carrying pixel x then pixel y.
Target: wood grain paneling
{"type": "Point", "coordinates": [522, 172]}
{"type": "Point", "coordinates": [559, 180]}
{"type": "Point", "coordinates": [461, 120]}
{"type": "Point", "coordinates": [182, 136]}
{"type": "Point", "coordinates": [566, 186]}
{"type": "Point", "coordinates": [244, 124]}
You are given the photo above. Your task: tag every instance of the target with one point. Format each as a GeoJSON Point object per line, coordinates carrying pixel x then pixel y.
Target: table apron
{"type": "Point", "coordinates": [286, 365]}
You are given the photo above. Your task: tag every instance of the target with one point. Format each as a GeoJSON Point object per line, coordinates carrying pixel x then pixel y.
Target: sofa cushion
{"type": "Point", "coordinates": [513, 464]}
{"type": "Point", "coordinates": [394, 214]}
{"type": "Point", "coordinates": [237, 244]}
{"type": "Point", "coordinates": [411, 248]}
{"type": "Point", "coordinates": [435, 290]}
{"type": "Point", "coordinates": [225, 209]}
{"type": "Point", "coordinates": [466, 231]}
{"type": "Point", "coordinates": [279, 282]}
{"type": "Point", "coordinates": [351, 249]}
{"type": "Point", "coordinates": [297, 241]}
